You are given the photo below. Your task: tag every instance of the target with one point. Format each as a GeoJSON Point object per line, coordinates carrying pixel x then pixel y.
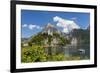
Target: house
{"type": "Point", "coordinates": [25, 44]}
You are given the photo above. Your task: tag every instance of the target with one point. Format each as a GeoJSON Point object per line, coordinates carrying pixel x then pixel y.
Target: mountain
{"type": "Point", "coordinates": [51, 35]}
{"type": "Point", "coordinates": [50, 29]}
{"type": "Point", "coordinates": [82, 35]}
{"type": "Point", "coordinates": [88, 28]}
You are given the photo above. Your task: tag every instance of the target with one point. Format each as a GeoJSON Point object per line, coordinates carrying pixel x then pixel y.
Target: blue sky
{"type": "Point", "coordinates": [33, 21]}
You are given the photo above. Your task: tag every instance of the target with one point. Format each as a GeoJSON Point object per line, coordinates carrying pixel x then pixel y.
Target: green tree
{"type": "Point", "coordinates": [34, 54]}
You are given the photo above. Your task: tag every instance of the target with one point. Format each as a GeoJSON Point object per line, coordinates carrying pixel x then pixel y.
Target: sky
{"type": "Point", "coordinates": [33, 21]}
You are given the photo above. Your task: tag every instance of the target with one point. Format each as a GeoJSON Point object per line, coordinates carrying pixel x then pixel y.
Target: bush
{"type": "Point", "coordinates": [59, 57]}
{"type": "Point", "coordinates": [34, 54]}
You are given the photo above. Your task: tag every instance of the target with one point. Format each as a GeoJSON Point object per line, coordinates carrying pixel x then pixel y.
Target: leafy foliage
{"type": "Point", "coordinates": [59, 57]}
{"type": "Point", "coordinates": [33, 54]}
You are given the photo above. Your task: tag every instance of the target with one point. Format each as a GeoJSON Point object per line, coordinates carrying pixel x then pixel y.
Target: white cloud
{"type": "Point", "coordinates": [31, 26]}
{"type": "Point", "coordinates": [67, 25]}
{"type": "Point", "coordinates": [24, 25]}
{"type": "Point", "coordinates": [74, 18]}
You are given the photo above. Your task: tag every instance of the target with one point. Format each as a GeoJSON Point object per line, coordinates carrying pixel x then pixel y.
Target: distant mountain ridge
{"type": "Point", "coordinates": [50, 33]}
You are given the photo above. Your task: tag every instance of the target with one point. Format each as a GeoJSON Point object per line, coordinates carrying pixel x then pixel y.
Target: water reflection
{"type": "Point", "coordinates": [83, 51]}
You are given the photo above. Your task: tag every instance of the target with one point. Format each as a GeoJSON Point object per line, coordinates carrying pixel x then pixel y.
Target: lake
{"type": "Point", "coordinates": [83, 51]}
